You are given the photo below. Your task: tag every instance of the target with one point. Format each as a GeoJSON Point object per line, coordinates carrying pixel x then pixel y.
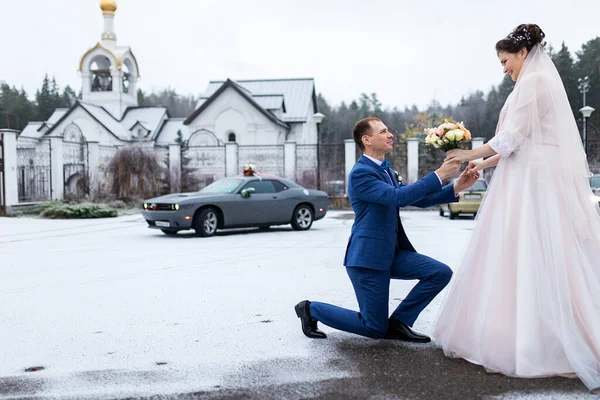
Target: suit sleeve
{"type": "Point", "coordinates": [367, 186]}
{"type": "Point", "coordinates": [446, 195]}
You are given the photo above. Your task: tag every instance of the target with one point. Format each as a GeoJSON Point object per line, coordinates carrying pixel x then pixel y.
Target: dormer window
{"type": "Point", "coordinates": [139, 130]}
{"type": "Point", "coordinates": [231, 137]}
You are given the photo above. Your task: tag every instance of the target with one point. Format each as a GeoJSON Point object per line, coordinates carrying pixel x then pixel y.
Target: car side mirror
{"type": "Point", "coordinates": [246, 193]}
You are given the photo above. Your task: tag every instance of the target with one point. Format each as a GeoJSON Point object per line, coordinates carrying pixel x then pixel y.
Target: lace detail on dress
{"type": "Point", "coordinates": [501, 144]}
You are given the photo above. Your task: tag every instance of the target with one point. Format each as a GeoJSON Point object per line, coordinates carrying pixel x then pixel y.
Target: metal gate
{"type": "Point", "coordinates": [75, 169]}
{"type": "Point", "coordinates": [33, 169]}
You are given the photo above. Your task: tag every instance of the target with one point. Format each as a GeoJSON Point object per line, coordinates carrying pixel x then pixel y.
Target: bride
{"type": "Point", "coordinates": [525, 299]}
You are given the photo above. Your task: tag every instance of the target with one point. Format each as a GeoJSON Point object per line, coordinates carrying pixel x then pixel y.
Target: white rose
{"type": "Point", "coordinates": [450, 135]}
{"type": "Point", "coordinates": [440, 142]}
{"type": "Point", "coordinates": [459, 135]}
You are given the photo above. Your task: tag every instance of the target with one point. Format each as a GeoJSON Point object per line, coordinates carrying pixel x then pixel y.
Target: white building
{"type": "Point", "coordinates": [271, 123]}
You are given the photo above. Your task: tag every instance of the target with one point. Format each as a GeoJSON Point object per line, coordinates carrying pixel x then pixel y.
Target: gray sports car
{"type": "Point", "coordinates": [237, 202]}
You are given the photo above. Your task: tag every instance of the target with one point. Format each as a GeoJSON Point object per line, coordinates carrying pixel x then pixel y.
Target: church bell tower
{"type": "Point", "coordinates": [109, 72]}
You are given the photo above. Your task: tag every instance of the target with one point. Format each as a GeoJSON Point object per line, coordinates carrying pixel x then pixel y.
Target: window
{"type": "Point", "coordinates": [222, 186]}
{"type": "Point", "coordinates": [261, 187]}
{"type": "Point", "coordinates": [140, 132]}
{"type": "Point", "coordinates": [279, 186]}
{"type": "Point", "coordinates": [231, 137]}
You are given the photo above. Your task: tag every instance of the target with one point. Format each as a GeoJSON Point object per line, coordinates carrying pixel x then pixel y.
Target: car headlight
{"type": "Point", "coordinates": [175, 207]}
{"type": "Point", "coordinates": [145, 206]}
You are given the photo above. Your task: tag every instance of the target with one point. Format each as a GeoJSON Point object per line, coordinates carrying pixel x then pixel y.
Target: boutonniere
{"type": "Point", "coordinates": [398, 178]}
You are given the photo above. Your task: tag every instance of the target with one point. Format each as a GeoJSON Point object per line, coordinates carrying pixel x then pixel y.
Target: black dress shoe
{"type": "Point", "coordinates": [309, 326]}
{"type": "Point", "coordinates": [398, 330]}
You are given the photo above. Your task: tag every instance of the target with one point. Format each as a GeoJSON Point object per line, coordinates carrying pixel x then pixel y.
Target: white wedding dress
{"type": "Point", "coordinates": [525, 299]}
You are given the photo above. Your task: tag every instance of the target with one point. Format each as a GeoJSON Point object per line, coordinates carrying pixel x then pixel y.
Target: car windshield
{"type": "Point", "coordinates": [222, 186]}
{"type": "Point", "coordinates": [480, 186]}
{"type": "Point", "coordinates": [595, 181]}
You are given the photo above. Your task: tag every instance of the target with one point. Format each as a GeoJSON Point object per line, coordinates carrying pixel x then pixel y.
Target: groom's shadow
{"type": "Point", "coordinates": [412, 371]}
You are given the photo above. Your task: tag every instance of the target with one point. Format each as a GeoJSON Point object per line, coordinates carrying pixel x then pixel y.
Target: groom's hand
{"type": "Point", "coordinates": [458, 154]}
{"type": "Point", "coordinates": [448, 169]}
{"type": "Point", "coordinates": [465, 180]}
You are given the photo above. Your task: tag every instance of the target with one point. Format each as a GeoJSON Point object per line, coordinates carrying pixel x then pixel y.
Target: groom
{"type": "Point", "coordinates": [379, 250]}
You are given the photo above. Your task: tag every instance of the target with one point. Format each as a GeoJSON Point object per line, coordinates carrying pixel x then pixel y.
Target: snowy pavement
{"type": "Point", "coordinates": [112, 309]}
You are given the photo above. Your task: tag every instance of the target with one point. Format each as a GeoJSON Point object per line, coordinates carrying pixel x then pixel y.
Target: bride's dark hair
{"type": "Point", "coordinates": [524, 35]}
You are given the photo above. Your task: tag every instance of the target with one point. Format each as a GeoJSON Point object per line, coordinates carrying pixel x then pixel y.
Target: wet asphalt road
{"type": "Point", "coordinates": [392, 370]}
{"type": "Point", "coordinates": [377, 370]}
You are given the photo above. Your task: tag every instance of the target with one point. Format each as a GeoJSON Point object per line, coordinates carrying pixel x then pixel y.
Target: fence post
{"type": "Point", "coordinates": [93, 161]}
{"type": "Point", "coordinates": [290, 162]}
{"type": "Point", "coordinates": [477, 142]}
{"type": "Point", "coordinates": [231, 159]}
{"type": "Point", "coordinates": [175, 167]}
{"type": "Point", "coordinates": [57, 168]}
{"type": "Point", "coordinates": [10, 167]}
{"type": "Point", "coordinates": [412, 158]}
{"type": "Point", "coordinates": [349, 159]}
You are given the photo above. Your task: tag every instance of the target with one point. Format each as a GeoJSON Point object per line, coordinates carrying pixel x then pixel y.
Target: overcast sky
{"type": "Point", "coordinates": [408, 52]}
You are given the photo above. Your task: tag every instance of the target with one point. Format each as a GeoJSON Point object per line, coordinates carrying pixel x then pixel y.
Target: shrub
{"type": "Point", "coordinates": [56, 210]}
{"type": "Point", "coordinates": [136, 173]}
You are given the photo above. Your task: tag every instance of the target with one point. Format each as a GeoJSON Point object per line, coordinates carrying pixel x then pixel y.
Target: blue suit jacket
{"type": "Point", "coordinates": [376, 201]}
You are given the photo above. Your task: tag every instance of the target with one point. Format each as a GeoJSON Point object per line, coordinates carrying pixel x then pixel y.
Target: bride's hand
{"type": "Point", "coordinates": [475, 166]}
{"type": "Point", "coordinates": [458, 154]}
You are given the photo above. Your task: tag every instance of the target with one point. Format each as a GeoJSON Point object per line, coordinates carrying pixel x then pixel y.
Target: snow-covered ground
{"type": "Point", "coordinates": [110, 308]}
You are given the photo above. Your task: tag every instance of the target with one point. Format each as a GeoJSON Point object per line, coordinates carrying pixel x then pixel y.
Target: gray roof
{"type": "Point", "coordinates": [168, 133]}
{"type": "Point", "coordinates": [297, 94]}
{"type": "Point", "coordinates": [270, 102]}
{"type": "Point", "coordinates": [106, 119]}
{"type": "Point", "coordinates": [56, 115]}
{"type": "Point", "coordinates": [244, 93]}
{"type": "Point", "coordinates": [151, 118]}
{"type": "Point", "coordinates": [33, 130]}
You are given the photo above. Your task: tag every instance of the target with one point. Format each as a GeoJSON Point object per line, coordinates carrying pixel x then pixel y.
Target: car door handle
{"type": "Point", "coordinates": [275, 197]}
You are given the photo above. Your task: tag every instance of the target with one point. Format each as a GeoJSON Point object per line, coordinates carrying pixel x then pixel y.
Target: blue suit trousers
{"type": "Point", "coordinates": [372, 289]}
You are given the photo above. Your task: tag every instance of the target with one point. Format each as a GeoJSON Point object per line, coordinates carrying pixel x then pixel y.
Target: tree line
{"type": "Point", "coordinates": [479, 110]}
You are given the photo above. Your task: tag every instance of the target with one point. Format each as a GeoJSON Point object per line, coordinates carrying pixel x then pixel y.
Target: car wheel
{"type": "Point", "coordinates": [441, 212]}
{"type": "Point", "coordinates": [303, 218]}
{"type": "Point", "coordinates": [206, 222]}
{"type": "Point", "coordinates": [168, 232]}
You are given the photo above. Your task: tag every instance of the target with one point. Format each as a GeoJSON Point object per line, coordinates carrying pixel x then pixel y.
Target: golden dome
{"type": "Point", "coordinates": [108, 6]}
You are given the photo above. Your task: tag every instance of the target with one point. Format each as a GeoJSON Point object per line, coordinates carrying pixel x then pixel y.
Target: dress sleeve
{"type": "Point", "coordinates": [522, 121]}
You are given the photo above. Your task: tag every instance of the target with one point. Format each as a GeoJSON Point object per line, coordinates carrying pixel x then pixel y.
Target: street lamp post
{"type": "Point", "coordinates": [318, 118]}
{"type": "Point", "coordinates": [586, 112]}
{"type": "Point", "coordinates": [584, 86]}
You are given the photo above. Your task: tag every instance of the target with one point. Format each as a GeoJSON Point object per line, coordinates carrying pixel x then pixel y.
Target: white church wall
{"type": "Point", "coordinates": [231, 113]}
{"type": "Point", "coordinates": [90, 128]}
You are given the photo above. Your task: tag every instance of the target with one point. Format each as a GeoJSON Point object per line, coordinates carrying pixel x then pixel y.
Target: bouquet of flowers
{"type": "Point", "coordinates": [249, 170]}
{"type": "Point", "coordinates": [447, 136]}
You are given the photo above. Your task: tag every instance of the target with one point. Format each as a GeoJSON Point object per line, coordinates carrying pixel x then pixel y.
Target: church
{"type": "Point", "coordinates": [261, 117]}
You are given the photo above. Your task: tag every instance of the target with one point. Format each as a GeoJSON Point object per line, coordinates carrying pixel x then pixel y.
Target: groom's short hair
{"type": "Point", "coordinates": [362, 128]}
